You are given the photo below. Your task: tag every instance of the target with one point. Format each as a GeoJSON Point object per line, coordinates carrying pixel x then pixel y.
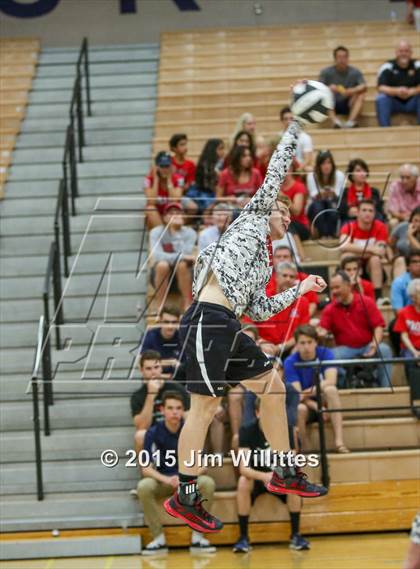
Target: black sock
{"type": "Point", "coordinates": [243, 526]}
{"type": "Point", "coordinates": [294, 522]}
{"type": "Point", "coordinates": [187, 489]}
{"type": "Point", "coordinates": [378, 293]}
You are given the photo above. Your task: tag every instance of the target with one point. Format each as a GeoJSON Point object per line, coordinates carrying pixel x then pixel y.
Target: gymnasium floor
{"type": "Point", "coordinates": [373, 551]}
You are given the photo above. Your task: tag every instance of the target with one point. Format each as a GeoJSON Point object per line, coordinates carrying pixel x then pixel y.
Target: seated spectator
{"type": "Point", "coordinates": [399, 293]}
{"type": "Point", "coordinates": [398, 85]}
{"type": "Point", "coordinates": [146, 401]}
{"type": "Point", "coordinates": [240, 177]}
{"type": "Point", "coordinates": [357, 326]}
{"type": "Point", "coordinates": [209, 166]}
{"type": "Point", "coordinates": [283, 254]}
{"type": "Point", "coordinates": [303, 380]}
{"type": "Point", "coordinates": [404, 194]}
{"type": "Point", "coordinates": [222, 217]}
{"type": "Point", "coordinates": [359, 189]}
{"type": "Point", "coordinates": [348, 87]}
{"type": "Point", "coordinates": [242, 138]}
{"type": "Point", "coordinates": [304, 150]}
{"type": "Point", "coordinates": [251, 484]}
{"type": "Point", "coordinates": [405, 237]}
{"type": "Point", "coordinates": [160, 478]}
{"type": "Point", "coordinates": [178, 145]}
{"type": "Point", "coordinates": [165, 339]}
{"type": "Point", "coordinates": [247, 123]}
{"type": "Point", "coordinates": [325, 185]}
{"type": "Point", "coordinates": [171, 248]}
{"type": "Point", "coordinates": [413, 15]}
{"type": "Point", "coordinates": [277, 332]}
{"type": "Point", "coordinates": [408, 325]}
{"type": "Point", "coordinates": [399, 286]}
{"type": "Point", "coordinates": [296, 191]}
{"type": "Point", "coordinates": [352, 266]}
{"type": "Point", "coordinates": [367, 238]}
{"type": "Point", "coordinates": [161, 186]}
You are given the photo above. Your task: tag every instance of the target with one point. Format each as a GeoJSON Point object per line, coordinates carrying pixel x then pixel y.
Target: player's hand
{"type": "Point", "coordinates": [313, 282]}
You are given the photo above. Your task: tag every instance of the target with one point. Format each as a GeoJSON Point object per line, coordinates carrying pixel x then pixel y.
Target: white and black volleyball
{"type": "Point", "coordinates": [311, 101]}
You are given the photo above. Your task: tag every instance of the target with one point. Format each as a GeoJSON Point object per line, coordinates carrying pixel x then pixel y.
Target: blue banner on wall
{"type": "Point", "coordinates": [42, 7]}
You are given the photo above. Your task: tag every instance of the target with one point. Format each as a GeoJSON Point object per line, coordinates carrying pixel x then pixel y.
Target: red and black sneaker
{"type": "Point", "coordinates": [295, 484]}
{"type": "Point", "coordinates": [195, 515]}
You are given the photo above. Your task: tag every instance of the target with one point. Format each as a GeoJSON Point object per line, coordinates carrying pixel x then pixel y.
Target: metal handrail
{"type": "Point", "coordinates": [62, 213]}
{"type": "Point", "coordinates": [35, 406]}
{"type": "Point", "coordinates": [318, 364]}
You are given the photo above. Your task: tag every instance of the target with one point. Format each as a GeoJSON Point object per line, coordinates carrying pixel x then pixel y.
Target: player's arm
{"type": "Point", "coordinates": [281, 160]}
{"type": "Point", "coordinates": [249, 472]}
{"type": "Point", "coordinates": [263, 307]}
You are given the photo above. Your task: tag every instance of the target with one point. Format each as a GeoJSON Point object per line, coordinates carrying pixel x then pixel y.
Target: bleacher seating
{"type": "Point", "coordinates": [18, 59]}
{"type": "Point", "coordinates": [206, 81]}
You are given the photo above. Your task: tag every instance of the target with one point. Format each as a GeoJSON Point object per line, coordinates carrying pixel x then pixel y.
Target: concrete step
{"type": "Point", "coordinates": [98, 94]}
{"type": "Point", "coordinates": [91, 123]}
{"type": "Point", "coordinates": [140, 68]}
{"type": "Point", "coordinates": [69, 509]}
{"type": "Point", "coordinates": [72, 444]}
{"type": "Point", "coordinates": [90, 243]}
{"type": "Point", "coordinates": [56, 139]}
{"type": "Point", "coordinates": [71, 547]}
{"type": "Point", "coordinates": [98, 55]}
{"type": "Point", "coordinates": [110, 416]}
{"type": "Point", "coordinates": [112, 308]}
{"type": "Point", "coordinates": [80, 285]}
{"type": "Point", "coordinates": [30, 172]}
{"type": "Point", "coordinates": [67, 476]}
{"type": "Point", "coordinates": [83, 264]}
{"type": "Point", "coordinates": [15, 226]}
{"type": "Point", "coordinates": [48, 109]}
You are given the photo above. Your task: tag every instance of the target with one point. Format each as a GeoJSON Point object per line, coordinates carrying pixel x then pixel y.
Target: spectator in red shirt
{"type": "Point", "coordinates": [161, 186]}
{"type": "Point", "coordinates": [357, 326]}
{"type": "Point", "coordinates": [178, 144]}
{"type": "Point", "coordinates": [278, 330]}
{"type": "Point", "coordinates": [367, 238]}
{"type": "Point", "coordinates": [408, 324]}
{"type": "Point", "coordinates": [359, 189]}
{"type": "Point", "coordinates": [351, 266]}
{"type": "Point", "coordinates": [240, 177]}
{"type": "Point", "coordinates": [296, 191]}
{"type": "Point", "coordinates": [283, 254]}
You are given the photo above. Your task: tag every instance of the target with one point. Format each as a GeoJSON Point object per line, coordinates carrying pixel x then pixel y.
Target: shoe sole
{"type": "Point", "coordinates": [240, 550]}
{"type": "Point", "coordinates": [277, 490]}
{"type": "Point", "coordinates": [146, 553]}
{"type": "Point", "coordinates": [193, 525]}
{"type": "Point", "coordinates": [299, 548]}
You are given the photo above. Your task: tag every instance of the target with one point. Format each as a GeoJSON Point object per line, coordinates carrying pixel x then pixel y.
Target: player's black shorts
{"type": "Point", "coordinates": [259, 489]}
{"type": "Point", "coordinates": [218, 354]}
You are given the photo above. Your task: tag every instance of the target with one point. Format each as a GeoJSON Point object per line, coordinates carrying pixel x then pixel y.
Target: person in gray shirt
{"type": "Point", "coordinates": [348, 87]}
{"type": "Point", "coordinates": [222, 217]}
{"type": "Point", "coordinates": [171, 248]}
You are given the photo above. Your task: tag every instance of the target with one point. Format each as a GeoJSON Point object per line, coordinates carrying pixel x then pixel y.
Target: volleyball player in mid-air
{"type": "Point", "coordinates": [230, 277]}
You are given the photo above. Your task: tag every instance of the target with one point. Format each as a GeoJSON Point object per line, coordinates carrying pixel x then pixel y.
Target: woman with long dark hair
{"type": "Point", "coordinates": [325, 185]}
{"type": "Point", "coordinates": [240, 177]}
{"type": "Point", "coordinates": [358, 190]}
{"type": "Point", "coordinates": [242, 138]}
{"type": "Point", "coordinates": [207, 173]}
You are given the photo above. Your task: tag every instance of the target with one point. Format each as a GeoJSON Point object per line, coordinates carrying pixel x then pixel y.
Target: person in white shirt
{"type": "Point", "coordinates": [325, 186]}
{"type": "Point", "coordinates": [222, 217]}
{"type": "Point", "coordinates": [304, 149]}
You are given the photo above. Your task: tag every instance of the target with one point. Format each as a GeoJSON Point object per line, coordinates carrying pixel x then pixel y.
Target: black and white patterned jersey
{"type": "Point", "coordinates": [240, 259]}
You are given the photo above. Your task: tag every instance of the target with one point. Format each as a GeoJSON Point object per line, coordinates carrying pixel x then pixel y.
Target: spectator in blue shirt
{"type": "Point", "coordinates": [165, 339]}
{"type": "Point", "coordinates": [399, 287]}
{"type": "Point", "coordinates": [303, 380]}
{"type": "Point", "coordinates": [160, 477]}
{"type": "Point", "coordinates": [399, 294]}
